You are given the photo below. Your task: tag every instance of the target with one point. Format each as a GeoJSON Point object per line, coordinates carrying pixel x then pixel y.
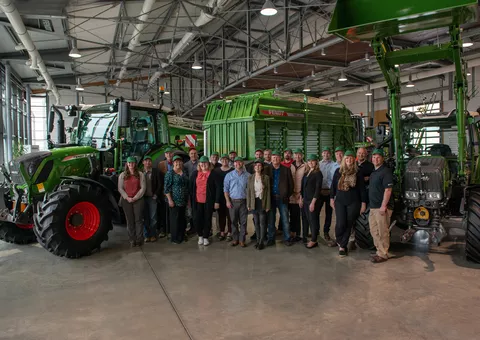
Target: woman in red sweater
{"type": "Point", "coordinates": [131, 185]}
{"type": "Point", "coordinates": [202, 186]}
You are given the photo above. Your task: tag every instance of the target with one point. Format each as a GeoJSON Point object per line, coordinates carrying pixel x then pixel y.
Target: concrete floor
{"type": "Point", "coordinates": [166, 291]}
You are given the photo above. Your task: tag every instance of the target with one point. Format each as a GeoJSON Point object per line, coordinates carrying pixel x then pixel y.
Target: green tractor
{"type": "Point", "coordinates": [435, 183]}
{"type": "Point", "coordinates": [66, 198]}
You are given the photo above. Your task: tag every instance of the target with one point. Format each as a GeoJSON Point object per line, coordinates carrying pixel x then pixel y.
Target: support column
{"type": "Point", "coordinates": [461, 135]}
{"type": "Point", "coordinates": [28, 99]}
{"type": "Point", "coordinates": [395, 112]}
{"type": "Point", "coordinates": [8, 112]}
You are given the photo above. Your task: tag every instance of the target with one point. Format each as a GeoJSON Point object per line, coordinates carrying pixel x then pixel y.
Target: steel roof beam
{"type": "Point", "coordinates": [320, 62]}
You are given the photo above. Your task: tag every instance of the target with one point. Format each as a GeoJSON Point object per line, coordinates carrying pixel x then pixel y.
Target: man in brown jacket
{"type": "Point", "coordinates": [165, 166]}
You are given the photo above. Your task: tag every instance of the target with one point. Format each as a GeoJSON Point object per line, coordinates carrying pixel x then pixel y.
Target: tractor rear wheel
{"type": "Point", "coordinates": [363, 238]}
{"type": "Point", "coordinates": [472, 236]}
{"type": "Point", "coordinates": [16, 233]}
{"type": "Point", "coordinates": [74, 220]}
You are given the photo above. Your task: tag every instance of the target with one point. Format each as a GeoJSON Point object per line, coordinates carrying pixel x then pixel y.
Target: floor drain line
{"type": "Point", "coordinates": [168, 297]}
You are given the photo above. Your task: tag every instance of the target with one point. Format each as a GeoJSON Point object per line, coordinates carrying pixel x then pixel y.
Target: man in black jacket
{"type": "Point", "coordinates": [282, 189]}
{"type": "Point", "coordinates": [153, 193]}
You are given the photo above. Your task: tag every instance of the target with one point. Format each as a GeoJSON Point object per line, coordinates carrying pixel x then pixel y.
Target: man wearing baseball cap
{"type": "Point", "coordinates": [381, 205]}
{"type": "Point", "coordinates": [287, 157]}
{"type": "Point", "coordinates": [258, 155]}
{"type": "Point", "coordinates": [165, 166]}
{"type": "Point", "coordinates": [214, 157]}
{"type": "Point", "coordinates": [232, 155]}
{"type": "Point", "coordinates": [153, 192]}
{"type": "Point", "coordinates": [297, 217]}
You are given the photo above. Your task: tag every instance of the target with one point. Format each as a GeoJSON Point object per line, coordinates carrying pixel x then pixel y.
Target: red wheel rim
{"type": "Point", "coordinates": [83, 221]}
{"type": "Point", "coordinates": [25, 226]}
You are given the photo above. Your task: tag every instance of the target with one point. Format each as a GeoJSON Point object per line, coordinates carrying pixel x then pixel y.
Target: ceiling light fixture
{"type": "Point", "coordinates": [74, 52]}
{"type": "Point", "coordinates": [369, 92]}
{"type": "Point", "coordinates": [244, 84]}
{"type": "Point", "coordinates": [166, 91]}
{"type": "Point", "coordinates": [467, 42]}
{"type": "Point", "coordinates": [79, 86]}
{"type": "Point", "coordinates": [323, 52]}
{"type": "Point", "coordinates": [268, 9]}
{"type": "Point", "coordinates": [410, 82]}
{"type": "Point", "coordinates": [367, 56]}
{"type": "Point", "coordinates": [275, 71]}
{"type": "Point", "coordinates": [196, 65]}
{"type": "Point", "coordinates": [306, 89]}
{"type": "Point", "coordinates": [342, 77]}
{"type": "Point", "coordinates": [313, 73]}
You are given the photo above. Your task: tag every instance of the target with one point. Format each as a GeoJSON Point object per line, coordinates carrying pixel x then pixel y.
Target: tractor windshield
{"type": "Point", "coordinates": [97, 130]}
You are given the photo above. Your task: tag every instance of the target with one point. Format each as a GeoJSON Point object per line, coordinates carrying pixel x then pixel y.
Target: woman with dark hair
{"type": "Point", "coordinates": [220, 203]}
{"type": "Point", "coordinates": [259, 201]}
{"type": "Point", "coordinates": [348, 197]}
{"type": "Point", "coordinates": [176, 190]}
{"type": "Point", "coordinates": [310, 200]}
{"type": "Point", "coordinates": [202, 188]}
{"type": "Point", "coordinates": [131, 185]}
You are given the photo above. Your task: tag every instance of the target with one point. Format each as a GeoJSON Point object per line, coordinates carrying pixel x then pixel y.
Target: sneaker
{"type": "Point", "coordinates": [200, 240]}
{"type": "Point", "coordinates": [221, 238]}
{"type": "Point", "coordinates": [229, 238]}
{"type": "Point", "coordinates": [147, 239]}
{"type": "Point", "coordinates": [327, 237]}
{"type": "Point", "coordinates": [342, 253]}
{"type": "Point", "coordinates": [206, 242]}
{"type": "Point", "coordinates": [153, 239]}
{"type": "Point", "coordinates": [162, 234]}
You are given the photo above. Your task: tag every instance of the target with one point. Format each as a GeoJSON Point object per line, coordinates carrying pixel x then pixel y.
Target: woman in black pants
{"type": "Point", "coordinates": [220, 203]}
{"type": "Point", "coordinates": [311, 189]}
{"type": "Point", "coordinates": [202, 188]}
{"type": "Point", "coordinates": [348, 197]}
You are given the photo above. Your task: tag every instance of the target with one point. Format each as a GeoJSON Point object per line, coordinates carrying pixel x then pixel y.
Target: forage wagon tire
{"type": "Point", "coordinates": [472, 236]}
{"type": "Point", "coordinates": [363, 238]}
{"type": "Point", "coordinates": [19, 234]}
{"type": "Point", "coordinates": [74, 220]}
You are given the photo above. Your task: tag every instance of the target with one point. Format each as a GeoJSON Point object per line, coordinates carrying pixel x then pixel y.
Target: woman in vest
{"type": "Point", "coordinates": [348, 197]}
{"type": "Point", "coordinates": [310, 200]}
{"type": "Point", "coordinates": [131, 185]}
{"type": "Point", "coordinates": [259, 201]}
{"type": "Point", "coordinates": [202, 188]}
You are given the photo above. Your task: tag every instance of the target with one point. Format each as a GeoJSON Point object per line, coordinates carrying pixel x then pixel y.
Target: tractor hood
{"type": "Point", "coordinates": [427, 173]}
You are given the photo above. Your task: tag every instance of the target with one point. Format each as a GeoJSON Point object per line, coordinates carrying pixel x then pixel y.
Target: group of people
{"type": "Point", "coordinates": [282, 182]}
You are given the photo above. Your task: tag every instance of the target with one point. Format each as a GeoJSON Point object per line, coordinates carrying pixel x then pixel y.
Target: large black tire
{"type": "Point", "coordinates": [74, 220]}
{"type": "Point", "coordinates": [11, 233]}
{"type": "Point", "coordinates": [363, 238]}
{"type": "Point", "coordinates": [472, 236]}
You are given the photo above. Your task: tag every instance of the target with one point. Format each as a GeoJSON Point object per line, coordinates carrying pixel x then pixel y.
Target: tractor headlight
{"type": "Point", "coordinates": [411, 195]}
{"type": "Point", "coordinates": [434, 196]}
{"type": "Point", "coordinates": [32, 166]}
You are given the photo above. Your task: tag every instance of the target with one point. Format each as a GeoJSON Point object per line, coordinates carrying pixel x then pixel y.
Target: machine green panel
{"type": "Point", "coordinates": [367, 19]}
{"type": "Point", "coordinates": [266, 120]}
{"type": "Point", "coordinates": [179, 131]}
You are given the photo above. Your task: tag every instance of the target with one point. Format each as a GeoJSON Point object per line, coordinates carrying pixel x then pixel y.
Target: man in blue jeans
{"type": "Point", "coordinates": [282, 189]}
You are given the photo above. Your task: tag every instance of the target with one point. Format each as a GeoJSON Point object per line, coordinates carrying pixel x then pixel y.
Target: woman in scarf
{"type": "Point", "coordinates": [348, 197]}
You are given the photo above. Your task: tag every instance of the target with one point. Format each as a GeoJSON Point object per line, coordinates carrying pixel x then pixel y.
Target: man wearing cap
{"type": "Point", "coordinates": [251, 166]}
{"type": "Point", "coordinates": [282, 189]}
{"type": "Point", "coordinates": [165, 166]}
{"type": "Point", "coordinates": [192, 164]}
{"type": "Point", "coordinates": [381, 206]}
{"type": "Point", "coordinates": [153, 192]}
{"type": "Point", "coordinates": [299, 168]}
{"type": "Point", "coordinates": [214, 157]}
{"type": "Point", "coordinates": [235, 191]}
{"type": "Point", "coordinates": [232, 155]}
{"type": "Point", "coordinates": [327, 167]}
{"type": "Point", "coordinates": [287, 157]}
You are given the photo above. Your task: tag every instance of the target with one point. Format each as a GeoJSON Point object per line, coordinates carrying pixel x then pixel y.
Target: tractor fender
{"type": "Point", "coordinates": [111, 197]}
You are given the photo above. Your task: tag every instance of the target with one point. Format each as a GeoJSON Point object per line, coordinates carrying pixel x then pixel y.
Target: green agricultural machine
{"type": "Point", "coordinates": [275, 120]}
{"type": "Point", "coordinates": [186, 133]}
{"type": "Point", "coordinates": [429, 187]}
{"type": "Point", "coordinates": [66, 198]}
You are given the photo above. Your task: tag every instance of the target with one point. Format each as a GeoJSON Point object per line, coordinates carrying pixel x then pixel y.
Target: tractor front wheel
{"type": "Point", "coordinates": [16, 233]}
{"type": "Point", "coordinates": [74, 220]}
{"type": "Point", "coordinates": [472, 236]}
{"type": "Point", "coordinates": [363, 237]}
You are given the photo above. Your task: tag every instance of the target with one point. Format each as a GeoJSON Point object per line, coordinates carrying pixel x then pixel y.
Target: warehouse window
{"type": "Point", "coordinates": [39, 122]}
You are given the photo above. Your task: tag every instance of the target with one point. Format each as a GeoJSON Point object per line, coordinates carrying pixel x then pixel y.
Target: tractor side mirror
{"type": "Point", "coordinates": [50, 121]}
{"type": "Point", "coordinates": [124, 114]}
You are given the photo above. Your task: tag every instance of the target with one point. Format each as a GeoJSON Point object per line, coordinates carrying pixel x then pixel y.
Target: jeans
{"type": "Point", "coordinates": [260, 221]}
{"type": "Point", "coordinates": [277, 203]}
{"type": "Point", "coordinates": [150, 217]}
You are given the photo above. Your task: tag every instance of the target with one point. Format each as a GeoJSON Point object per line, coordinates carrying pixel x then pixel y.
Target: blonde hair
{"type": "Point", "coordinates": [316, 168]}
{"type": "Point", "coordinates": [343, 165]}
{"type": "Point", "coordinates": [210, 166]}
